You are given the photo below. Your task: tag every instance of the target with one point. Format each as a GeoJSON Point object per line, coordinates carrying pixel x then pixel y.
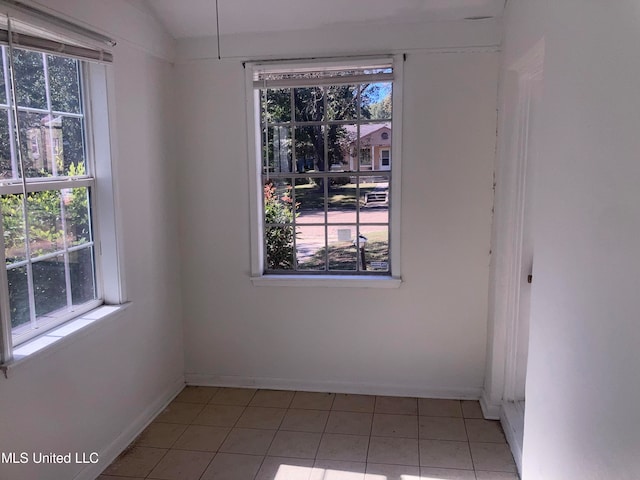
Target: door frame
{"type": "Point", "coordinates": [508, 228]}
{"type": "Point", "coordinates": [507, 242]}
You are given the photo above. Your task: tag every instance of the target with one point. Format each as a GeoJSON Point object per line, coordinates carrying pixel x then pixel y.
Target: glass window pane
{"type": "Point", "coordinates": [77, 215]}
{"type": "Point", "coordinates": [375, 101]}
{"type": "Point", "coordinates": [13, 228]}
{"type": "Point", "coordinates": [310, 251]}
{"type": "Point", "coordinates": [279, 247]}
{"type": "Point", "coordinates": [68, 146]}
{"type": "Point", "coordinates": [49, 285]}
{"type": "Point", "coordinates": [30, 82]}
{"type": "Point", "coordinates": [3, 77]}
{"type": "Point", "coordinates": [64, 84]}
{"type": "Point", "coordinates": [375, 146]}
{"type": "Point", "coordinates": [342, 248]}
{"type": "Point", "coordinates": [6, 166]}
{"type": "Point", "coordinates": [340, 139]}
{"type": "Point", "coordinates": [82, 274]}
{"type": "Point", "coordinates": [45, 222]}
{"type": "Point", "coordinates": [18, 296]}
{"type": "Point", "coordinates": [342, 102]}
{"type": "Point", "coordinates": [342, 202]}
{"type": "Point", "coordinates": [277, 153]}
{"type": "Point", "coordinates": [278, 105]}
{"type": "Point", "coordinates": [278, 202]}
{"type": "Point", "coordinates": [309, 145]}
{"type": "Point", "coordinates": [36, 134]}
{"type": "Point", "coordinates": [376, 248]}
{"type": "Point", "coordinates": [374, 199]}
{"type": "Point", "coordinates": [310, 200]}
{"type": "Point", "coordinates": [309, 104]}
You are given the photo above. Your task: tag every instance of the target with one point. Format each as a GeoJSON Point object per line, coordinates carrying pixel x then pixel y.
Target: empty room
{"type": "Point", "coordinates": [337, 240]}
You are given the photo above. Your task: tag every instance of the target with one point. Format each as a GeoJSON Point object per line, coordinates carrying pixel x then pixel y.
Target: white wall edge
{"type": "Point", "coordinates": [135, 428]}
{"type": "Point", "coordinates": [511, 418]}
{"type": "Point", "coordinates": [490, 411]}
{"type": "Point", "coordinates": [462, 393]}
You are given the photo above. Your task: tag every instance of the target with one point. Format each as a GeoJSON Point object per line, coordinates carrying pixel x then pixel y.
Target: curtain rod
{"type": "Point", "coordinates": [61, 22]}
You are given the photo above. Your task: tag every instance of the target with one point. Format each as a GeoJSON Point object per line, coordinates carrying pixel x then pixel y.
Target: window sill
{"type": "Point", "coordinates": [62, 335]}
{"type": "Point", "coordinates": [359, 281]}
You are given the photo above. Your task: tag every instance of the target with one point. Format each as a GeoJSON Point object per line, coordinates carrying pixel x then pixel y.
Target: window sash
{"type": "Point", "coordinates": [260, 87]}
{"type": "Point", "coordinates": [13, 337]}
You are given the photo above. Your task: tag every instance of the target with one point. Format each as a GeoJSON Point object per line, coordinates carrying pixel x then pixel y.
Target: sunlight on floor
{"type": "Point", "coordinates": [293, 472]}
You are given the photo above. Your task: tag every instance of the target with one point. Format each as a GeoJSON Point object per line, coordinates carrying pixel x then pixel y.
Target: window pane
{"type": "Point", "coordinates": [6, 169]}
{"type": "Point", "coordinates": [36, 134]}
{"type": "Point", "coordinates": [342, 249]}
{"type": "Point", "coordinates": [310, 200]}
{"type": "Point", "coordinates": [277, 153]}
{"type": "Point", "coordinates": [13, 228]}
{"type": "Point", "coordinates": [342, 200]}
{"type": "Point", "coordinates": [310, 251]}
{"type": "Point", "coordinates": [309, 145]}
{"type": "Point", "coordinates": [49, 285]}
{"type": "Point", "coordinates": [278, 202]}
{"type": "Point", "coordinates": [340, 139]}
{"type": "Point", "coordinates": [64, 84]}
{"type": "Point", "coordinates": [342, 102]}
{"type": "Point", "coordinates": [45, 222]}
{"type": "Point", "coordinates": [278, 105]}
{"type": "Point", "coordinates": [279, 248]}
{"type": "Point", "coordinates": [68, 145]}
{"type": "Point", "coordinates": [29, 76]}
{"type": "Point", "coordinates": [309, 103]}
{"type": "Point", "coordinates": [3, 78]}
{"type": "Point", "coordinates": [376, 248]}
{"type": "Point", "coordinates": [18, 296]}
{"type": "Point", "coordinates": [375, 146]}
{"type": "Point", "coordinates": [82, 274]}
{"type": "Point", "coordinates": [77, 217]}
{"type": "Point", "coordinates": [375, 101]}
{"type": "Point", "coordinates": [374, 199]}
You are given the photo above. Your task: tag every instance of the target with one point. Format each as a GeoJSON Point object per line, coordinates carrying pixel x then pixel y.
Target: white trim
{"type": "Point", "coordinates": [512, 420]}
{"type": "Point", "coordinates": [395, 212]}
{"type": "Point", "coordinates": [61, 336]}
{"type": "Point", "coordinates": [509, 226]}
{"type": "Point", "coordinates": [360, 281]}
{"type": "Point", "coordinates": [255, 184]}
{"type": "Point", "coordinates": [100, 110]}
{"type": "Point", "coordinates": [352, 387]}
{"type": "Point", "coordinates": [490, 411]}
{"type": "Point", "coordinates": [133, 430]}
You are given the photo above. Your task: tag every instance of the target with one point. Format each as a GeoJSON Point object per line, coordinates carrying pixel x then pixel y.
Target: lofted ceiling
{"type": "Point", "coordinates": [197, 18]}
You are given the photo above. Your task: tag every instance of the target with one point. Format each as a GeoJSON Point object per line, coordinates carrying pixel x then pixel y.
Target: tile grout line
{"type": "Point", "coordinates": [215, 454]}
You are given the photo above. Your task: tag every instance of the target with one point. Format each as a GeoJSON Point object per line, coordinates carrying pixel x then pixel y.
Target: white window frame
{"type": "Point", "coordinates": [98, 97]}
{"type": "Point", "coordinates": [258, 276]}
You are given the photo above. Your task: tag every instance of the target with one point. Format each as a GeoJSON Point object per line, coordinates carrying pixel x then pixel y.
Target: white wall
{"type": "Point", "coordinates": [425, 338]}
{"type": "Point", "coordinates": [103, 386]}
{"type": "Point", "coordinates": [583, 388]}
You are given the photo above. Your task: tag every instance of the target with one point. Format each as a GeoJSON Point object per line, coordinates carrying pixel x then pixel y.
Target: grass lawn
{"type": "Point", "coordinates": [343, 256]}
{"type": "Point", "coordinates": [311, 197]}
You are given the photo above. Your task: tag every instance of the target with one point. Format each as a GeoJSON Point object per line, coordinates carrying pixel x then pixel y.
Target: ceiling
{"type": "Point", "coordinates": [197, 18]}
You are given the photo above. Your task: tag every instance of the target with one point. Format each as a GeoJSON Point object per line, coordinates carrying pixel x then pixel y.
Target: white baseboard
{"type": "Point", "coordinates": [461, 393]}
{"type": "Point", "coordinates": [490, 411]}
{"type": "Point", "coordinates": [512, 419]}
{"type": "Point", "coordinates": [111, 452]}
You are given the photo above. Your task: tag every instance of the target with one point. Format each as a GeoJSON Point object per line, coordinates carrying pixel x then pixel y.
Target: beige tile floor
{"type": "Point", "coordinates": [210, 433]}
